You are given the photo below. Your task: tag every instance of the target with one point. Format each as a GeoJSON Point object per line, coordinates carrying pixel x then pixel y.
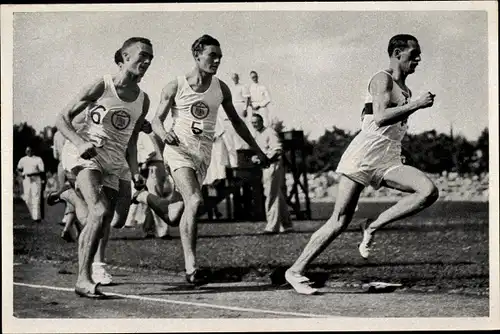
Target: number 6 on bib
{"type": "Point", "coordinates": [197, 127]}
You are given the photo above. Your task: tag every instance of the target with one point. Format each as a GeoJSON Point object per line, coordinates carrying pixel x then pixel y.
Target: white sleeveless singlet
{"type": "Point", "coordinates": [110, 122]}
{"type": "Point", "coordinates": [394, 131]}
{"type": "Point", "coordinates": [195, 114]}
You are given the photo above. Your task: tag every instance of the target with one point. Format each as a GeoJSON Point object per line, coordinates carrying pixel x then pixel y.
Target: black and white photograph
{"type": "Point", "coordinates": [250, 167]}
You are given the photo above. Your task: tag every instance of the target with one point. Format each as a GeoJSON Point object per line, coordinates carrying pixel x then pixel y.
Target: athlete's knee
{"type": "Point", "coordinates": [344, 207]}
{"type": "Point", "coordinates": [338, 221]}
{"type": "Point", "coordinates": [195, 200]}
{"type": "Point", "coordinates": [341, 216]}
{"type": "Point", "coordinates": [429, 193]}
{"type": "Point", "coordinates": [100, 211]}
{"type": "Point", "coordinates": [347, 210]}
{"type": "Point", "coordinates": [333, 223]}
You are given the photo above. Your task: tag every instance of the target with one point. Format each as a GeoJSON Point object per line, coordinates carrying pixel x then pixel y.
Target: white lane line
{"type": "Point", "coordinates": [170, 301]}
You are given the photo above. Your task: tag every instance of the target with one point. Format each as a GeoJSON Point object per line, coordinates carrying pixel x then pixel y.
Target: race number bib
{"type": "Point", "coordinates": [197, 127]}
{"type": "Point", "coordinates": [97, 114]}
{"type": "Point", "coordinates": [200, 111]}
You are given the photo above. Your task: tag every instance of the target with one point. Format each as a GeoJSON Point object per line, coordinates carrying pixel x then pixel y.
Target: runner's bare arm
{"type": "Point", "coordinates": [158, 145]}
{"type": "Point", "coordinates": [88, 95]}
{"type": "Point", "coordinates": [166, 101]}
{"type": "Point", "coordinates": [132, 144]}
{"type": "Point", "coordinates": [79, 120]}
{"type": "Point", "coordinates": [238, 124]}
{"type": "Point", "coordinates": [380, 88]}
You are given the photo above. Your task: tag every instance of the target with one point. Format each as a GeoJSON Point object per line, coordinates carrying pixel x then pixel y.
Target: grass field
{"type": "Point", "coordinates": [444, 248]}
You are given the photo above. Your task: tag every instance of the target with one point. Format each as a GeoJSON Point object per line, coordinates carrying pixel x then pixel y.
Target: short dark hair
{"type": "Point", "coordinates": [126, 44]}
{"type": "Point", "coordinates": [199, 45]}
{"type": "Point", "coordinates": [253, 72]}
{"type": "Point", "coordinates": [133, 40]}
{"type": "Point", "coordinates": [400, 42]}
{"type": "Point", "coordinates": [118, 56]}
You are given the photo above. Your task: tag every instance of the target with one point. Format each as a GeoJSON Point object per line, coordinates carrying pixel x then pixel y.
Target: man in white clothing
{"type": "Point", "coordinates": [31, 168]}
{"type": "Point", "coordinates": [260, 99]}
{"type": "Point", "coordinates": [241, 100]}
{"type": "Point", "coordinates": [273, 178]}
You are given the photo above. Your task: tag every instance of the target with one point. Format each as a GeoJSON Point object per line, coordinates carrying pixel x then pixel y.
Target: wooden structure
{"type": "Point", "coordinates": [295, 163]}
{"type": "Point", "coordinates": [242, 190]}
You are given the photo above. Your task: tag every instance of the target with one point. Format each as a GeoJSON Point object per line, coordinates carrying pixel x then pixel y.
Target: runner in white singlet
{"type": "Point", "coordinates": [376, 150]}
{"type": "Point", "coordinates": [194, 116]}
{"type": "Point", "coordinates": [374, 158]}
{"type": "Point", "coordinates": [194, 100]}
{"type": "Point", "coordinates": [108, 126]}
{"type": "Point", "coordinates": [123, 202]}
{"type": "Point", "coordinates": [97, 153]}
{"type": "Point", "coordinates": [260, 99]}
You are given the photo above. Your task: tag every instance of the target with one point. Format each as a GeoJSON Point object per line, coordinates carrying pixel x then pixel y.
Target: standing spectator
{"type": "Point", "coordinates": [273, 178]}
{"type": "Point", "coordinates": [32, 169]}
{"type": "Point", "coordinates": [241, 100]}
{"type": "Point", "coordinates": [260, 99]}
